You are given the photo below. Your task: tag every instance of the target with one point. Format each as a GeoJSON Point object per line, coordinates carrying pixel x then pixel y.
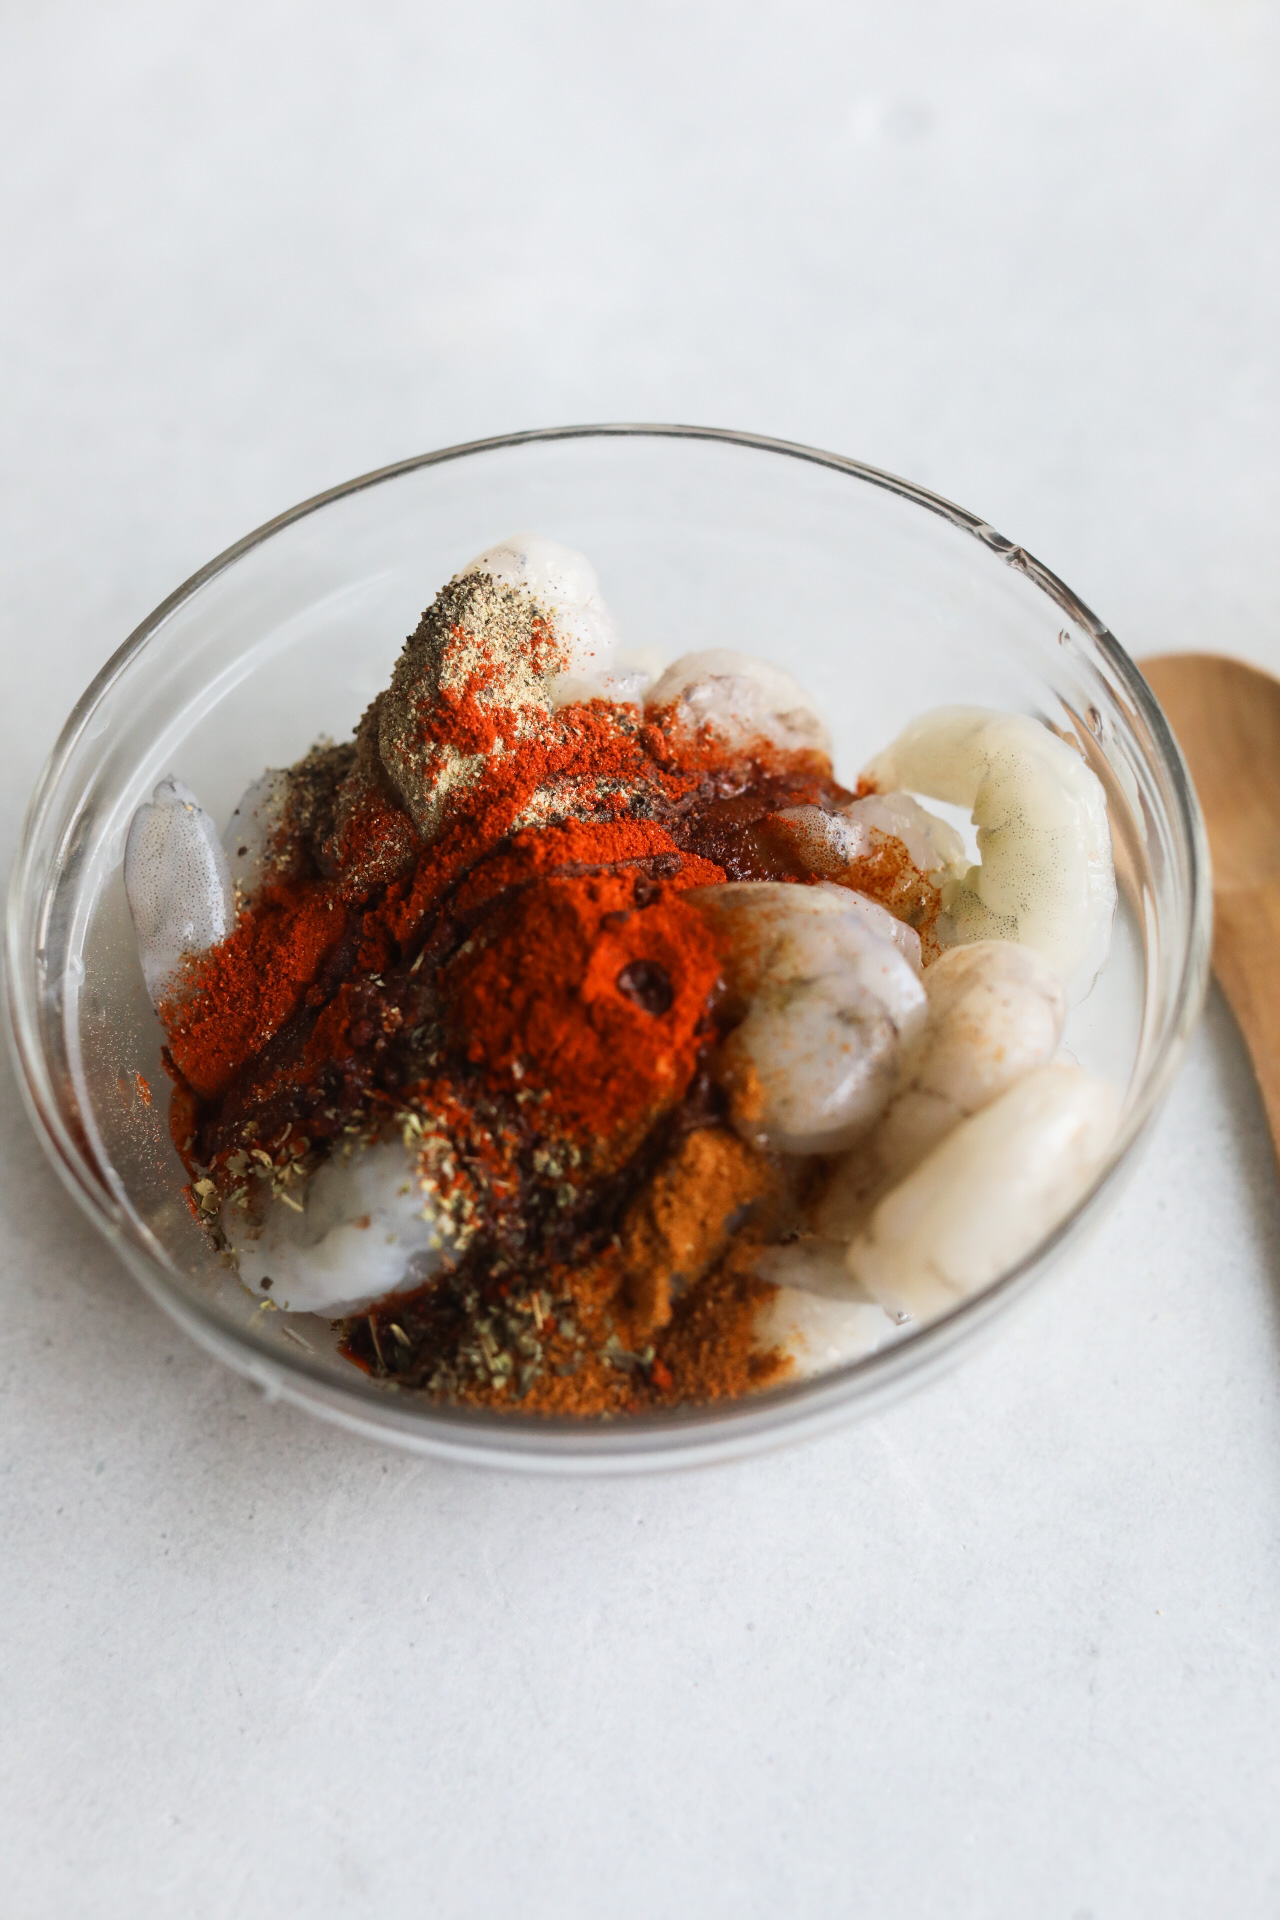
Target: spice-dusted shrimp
{"type": "Point", "coordinates": [564, 583]}
{"type": "Point", "coordinates": [995, 1012]}
{"type": "Point", "coordinates": [984, 1198]}
{"type": "Point", "coordinates": [829, 998]}
{"type": "Point", "coordinates": [831, 843]}
{"type": "Point", "coordinates": [184, 886]}
{"type": "Point", "coordinates": [519, 631]}
{"type": "Point", "coordinates": [1046, 876]}
{"type": "Point", "coordinates": [252, 830]}
{"type": "Point", "coordinates": [740, 698]}
{"type": "Point", "coordinates": [757, 917]}
{"type": "Point", "coordinates": [178, 884]}
{"type": "Point", "coordinates": [361, 1230]}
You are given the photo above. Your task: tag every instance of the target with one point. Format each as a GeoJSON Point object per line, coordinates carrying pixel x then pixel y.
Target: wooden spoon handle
{"type": "Point", "coordinates": [1246, 959]}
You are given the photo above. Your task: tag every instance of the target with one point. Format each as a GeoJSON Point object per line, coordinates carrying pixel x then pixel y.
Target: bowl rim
{"type": "Point", "coordinates": [507, 1438]}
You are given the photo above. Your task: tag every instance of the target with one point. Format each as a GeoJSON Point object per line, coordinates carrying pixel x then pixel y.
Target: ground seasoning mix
{"type": "Point", "coordinates": [474, 932]}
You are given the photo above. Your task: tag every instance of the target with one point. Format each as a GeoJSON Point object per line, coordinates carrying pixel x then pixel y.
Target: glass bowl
{"type": "Point", "coordinates": [881, 598]}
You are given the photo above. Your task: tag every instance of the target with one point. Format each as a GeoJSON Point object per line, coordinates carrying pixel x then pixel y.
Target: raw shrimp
{"type": "Point", "coordinates": [622, 684]}
{"type": "Point", "coordinates": [984, 1199]}
{"type": "Point", "coordinates": [995, 1011]}
{"type": "Point", "coordinates": [1046, 876]}
{"type": "Point", "coordinates": [760, 919]}
{"type": "Point", "coordinates": [829, 998]}
{"type": "Point", "coordinates": [831, 843]}
{"type": "Point", "coordinates": [366, 1231]}
{"type": "Point", "coordinates": [178, 885]}
{"type": "Point", "coordinates": [519, 631]}
{"type": "Point", "coordinates": [740, 699]}
{"type": "Point", "coordinates": [564, 582]}
{"type": "Point", "coordinates": [252, 829]}
{"type": "Point", "coordinates": [818, 1317]}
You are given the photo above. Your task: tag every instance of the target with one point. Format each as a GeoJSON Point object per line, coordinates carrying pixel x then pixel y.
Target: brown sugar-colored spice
{"type": "Point", "coordinates": [681, 1222]}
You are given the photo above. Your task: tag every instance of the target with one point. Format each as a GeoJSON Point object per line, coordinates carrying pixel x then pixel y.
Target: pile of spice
{"type": "Point", "coordinates": [457, 1071]}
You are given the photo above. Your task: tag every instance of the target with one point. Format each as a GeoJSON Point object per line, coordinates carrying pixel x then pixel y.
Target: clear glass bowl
{"type": "Point", "coordinates": [880, 597]}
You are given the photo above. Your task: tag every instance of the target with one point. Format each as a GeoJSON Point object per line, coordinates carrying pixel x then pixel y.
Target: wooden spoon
{"type": "Point", "coordinates": [1227, 719]}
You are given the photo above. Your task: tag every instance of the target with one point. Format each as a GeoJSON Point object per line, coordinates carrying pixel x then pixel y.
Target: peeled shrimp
{"type": "Point", "coordinates": [178, 885]}
{"type": "Point", "coordinates": [251, 831]}
{"type": "Point", "coordinates": [366, 1231]}
{"type": "Point", "coordinates": [741, 698]}
{"type": "Point", "coordinates": [995, 1012]}
{"type": "Point", "coordinates": [817, 1317]}
{"type": "Point", "coordinates": [1046, 876]}
{"type": "Point", "coordinates": [564, 582]}
{"type": "Point", "coordinates": [829, 998]}
{"type": "Point", "coordinates": [761, 920]}
{"type": "Point", "coordinates": [984, 1199]}
{"type": "Point", "coordinates": [830, 843]}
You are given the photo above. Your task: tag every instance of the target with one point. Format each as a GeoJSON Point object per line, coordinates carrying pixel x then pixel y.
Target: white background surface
{"type": "Point", "coordinates": [1010, 1649]}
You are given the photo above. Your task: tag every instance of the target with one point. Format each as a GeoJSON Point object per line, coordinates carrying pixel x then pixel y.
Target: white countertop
{"type": "Point", "coordinates": [1009, 1649]}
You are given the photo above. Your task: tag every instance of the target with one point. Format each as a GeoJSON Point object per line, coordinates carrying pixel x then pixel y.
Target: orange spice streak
{"type": "Point", "coordinates": [236, 997]}
{"type": "Point", "coordinates": [586, 754]}
{"type": "Point", "coordinates": [580, 844]}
